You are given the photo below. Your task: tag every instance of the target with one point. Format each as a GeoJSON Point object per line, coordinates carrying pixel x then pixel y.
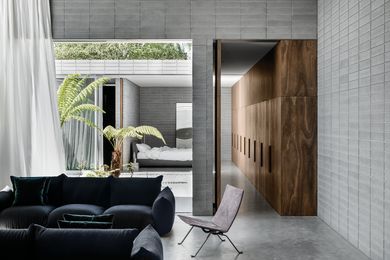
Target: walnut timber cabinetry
{"type": "Point", "coordinates": [274, 112]}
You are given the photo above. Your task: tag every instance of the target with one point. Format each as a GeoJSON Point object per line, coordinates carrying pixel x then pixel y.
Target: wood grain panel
{"type": "Point", "coordinates": [299, 156]}
{"type": "Point", "coordinates": [295, 68]}
{"type": "Point", "coordinates": [256, 85]}
{"type": "Point", "coordinates": [274, 151]}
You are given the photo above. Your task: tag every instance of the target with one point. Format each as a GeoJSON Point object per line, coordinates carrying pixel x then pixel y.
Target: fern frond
{"type": "Point", "coordinates": [129, 132]}
{"type": "Point", "coordinates": [85, 121]}
{"type": "Point", "coordinates": [110, 132]}
{"type": "Point", "coordinates": [116, 136]}
{"type": "Point", "coordinates": [149, 130]}
{"type": "Point", "coordinates": [72, 97]}
{"type": "Point", "coordinates": [71, 92]}
{"type": "Point", "coordinates": [85, 107]}
{"type": "Point", "coordinates": [64, 88]}
{"type": "Point", "coordinates": [88, 90]}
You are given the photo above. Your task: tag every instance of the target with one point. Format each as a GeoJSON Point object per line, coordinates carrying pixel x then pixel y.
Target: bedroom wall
{"type": "Point", "coordinates": [131, 110]}
{"type": "Point", "coordinates": [203, 21]}
{"type": "Point", "coordinates": [354, 122]}
{"type": "Point", "coordinates": [158, 108]}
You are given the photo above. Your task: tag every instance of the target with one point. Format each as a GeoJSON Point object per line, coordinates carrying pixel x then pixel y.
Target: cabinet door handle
{"type": "Point", "coordinates": [261, 155]}
{"type": "Point", "coordinates": [270, 158]}
{"type": "Point", "coordinates": [254, 151]}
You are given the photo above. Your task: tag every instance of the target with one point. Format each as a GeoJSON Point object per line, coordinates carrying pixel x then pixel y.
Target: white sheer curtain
{"type": "Point", "coordinates": [30, 135]}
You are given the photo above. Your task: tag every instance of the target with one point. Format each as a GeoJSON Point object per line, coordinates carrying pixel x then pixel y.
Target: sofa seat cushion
{"type": "Point", "coordinates": [23, 216]}
{"type": "Point", "coordinates": [130, 216]}
{"type": "Point", "coordinates": [81, 209]}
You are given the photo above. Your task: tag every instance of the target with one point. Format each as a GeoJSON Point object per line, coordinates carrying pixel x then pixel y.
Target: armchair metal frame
{"type": "Point", "coordinates": [222, 221]}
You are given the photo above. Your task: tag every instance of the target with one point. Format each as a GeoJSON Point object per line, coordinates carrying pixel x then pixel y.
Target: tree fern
{"type": "Point", "coordinates": [117, 136]}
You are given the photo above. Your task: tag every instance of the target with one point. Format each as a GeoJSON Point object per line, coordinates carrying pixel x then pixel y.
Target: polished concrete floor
{"type": "Point", "coordinates": [261, 233]}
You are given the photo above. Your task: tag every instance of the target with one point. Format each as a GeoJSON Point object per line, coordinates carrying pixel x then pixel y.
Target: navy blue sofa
{"type": "Point", "coordinates": [134, 202]}
{"type": "Point", "coordinates": [38, 242]}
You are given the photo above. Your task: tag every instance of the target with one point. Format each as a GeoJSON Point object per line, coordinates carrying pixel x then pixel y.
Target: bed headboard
{"type": "Point", "coordinates": [184, 137]}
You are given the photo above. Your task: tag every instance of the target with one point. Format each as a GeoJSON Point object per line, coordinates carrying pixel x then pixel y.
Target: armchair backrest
{"type": "Point", "coordinates": [228, 209]}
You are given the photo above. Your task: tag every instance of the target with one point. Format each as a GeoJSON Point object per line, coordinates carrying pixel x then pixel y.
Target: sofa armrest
{"type": "Point", "coordinates": [6, 199]}
{"type": "Point", "coordinates": [163, 212]}
{"type": "Point", "coordinates": [147, 245]}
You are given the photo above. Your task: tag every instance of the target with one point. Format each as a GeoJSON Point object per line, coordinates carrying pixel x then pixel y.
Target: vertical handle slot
{"type": "Point", "coordinates": [270, 158]}
{"type": "Point", "coordinates": [261, 155]}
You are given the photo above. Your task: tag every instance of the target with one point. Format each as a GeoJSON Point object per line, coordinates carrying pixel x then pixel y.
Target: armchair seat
{"type": "Point", "coordinates": [197, 222]}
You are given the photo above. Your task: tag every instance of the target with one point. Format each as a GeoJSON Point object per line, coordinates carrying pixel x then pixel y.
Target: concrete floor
{"type": "Point", "coordinates": [261, 233]}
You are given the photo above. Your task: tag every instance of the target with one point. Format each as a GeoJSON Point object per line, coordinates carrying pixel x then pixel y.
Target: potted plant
{"type": "Point", "coordinates": [116, 136]}
{"type": "Point", "coordinates": [105, 171]}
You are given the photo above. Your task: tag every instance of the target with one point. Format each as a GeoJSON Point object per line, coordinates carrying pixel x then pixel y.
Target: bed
{"type": "Point", "coordinates": [160, 156]}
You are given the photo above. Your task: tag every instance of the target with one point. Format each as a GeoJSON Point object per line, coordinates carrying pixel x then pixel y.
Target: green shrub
{"type": "Point", "coordinates": [119, 51]}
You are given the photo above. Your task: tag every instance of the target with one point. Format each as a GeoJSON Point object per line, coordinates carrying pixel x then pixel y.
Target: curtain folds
{"type": "Point", "coordinates": [30, 135]}
{"type": "Point", "coordinates": [79, 144]}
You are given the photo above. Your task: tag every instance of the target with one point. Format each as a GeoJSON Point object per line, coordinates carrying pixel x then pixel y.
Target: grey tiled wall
{"type": "Point", "coordinates": [199, 20]}
{"type": "Point", "coordinates": [354, 121]}
{"type": "Point", "coordinates": [158, 108]}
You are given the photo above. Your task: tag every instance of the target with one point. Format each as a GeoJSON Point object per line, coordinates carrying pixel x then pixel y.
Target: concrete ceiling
{"type": "Point", "coordinates": [239, 56]}
{"type": "Point", "coordinates": [161, 80]}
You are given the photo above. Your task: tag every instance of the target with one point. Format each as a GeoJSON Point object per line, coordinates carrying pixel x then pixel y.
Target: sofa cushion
{"type": "Point", "coordinates": [135, 191]}
{"type": "Point", "coordinates": [94, 218]}
{"type": "Point", "coordinates": [83, 224]}
{"type": "Point", "coordinates": [82, 209]}
{"type": "Point", "coordinates": [130, 216]}
{"type": "Point", "coordinates": [28, 190]}
{"type": "Point", "coordinates": [163, 211]}
{"type": "Point", "coordinates": [23, 216]}
{"type": "Point", "coordinates": [147, 245]}
{"type": "Point", "coordinates": [86, 190]}
{"type": "Point", "coordinates": [16, 243]}
{"type": "Point", "coordinates": [83, 243]}
{"type": "Point", "coordinates": [54, 190]}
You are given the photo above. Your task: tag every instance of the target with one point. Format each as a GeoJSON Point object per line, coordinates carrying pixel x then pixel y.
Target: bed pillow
{"type": "Point", "coordinates": [143, 147]}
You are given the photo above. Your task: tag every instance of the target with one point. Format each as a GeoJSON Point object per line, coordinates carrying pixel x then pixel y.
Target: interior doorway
{"type": "Point", "coordinates": [232, 59]}
{"type": "Point", "coordinates": [266, 119]}
{"type": "Point", "coordinates": [108, 119]}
